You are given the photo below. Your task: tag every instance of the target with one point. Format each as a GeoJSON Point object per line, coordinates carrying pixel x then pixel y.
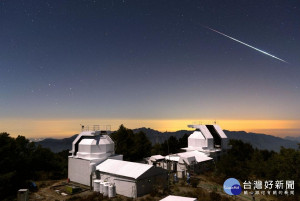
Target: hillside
{"type": "Point", "coordinates": [260, 141]}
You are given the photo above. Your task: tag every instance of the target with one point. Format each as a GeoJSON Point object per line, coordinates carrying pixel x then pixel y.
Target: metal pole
{"type": "Point", "coordinates": [168, 165]}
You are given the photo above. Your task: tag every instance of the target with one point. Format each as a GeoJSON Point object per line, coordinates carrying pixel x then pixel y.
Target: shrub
{"type": "Point", "coordinates": [214, 196]}
{"type": "Point", "coordinates": [194, 183]}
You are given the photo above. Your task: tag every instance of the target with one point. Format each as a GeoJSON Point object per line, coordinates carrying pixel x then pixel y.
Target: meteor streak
{"type": "Point", "coordinates": [266, 53]}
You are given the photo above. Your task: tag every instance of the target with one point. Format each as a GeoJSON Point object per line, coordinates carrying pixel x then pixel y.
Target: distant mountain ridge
{"type": "Point", "coordinates": [57, 145]}
{"type": "Point", "coordinates": [297, 139]}
{"type": "Point", "coordinates": [260, 141]}
{"type": "Point", "coordinates": [159, 137]}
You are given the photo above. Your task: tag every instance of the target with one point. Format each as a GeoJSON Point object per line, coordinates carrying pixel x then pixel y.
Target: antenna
{"type": "Point", "coordinates": [82, 127]}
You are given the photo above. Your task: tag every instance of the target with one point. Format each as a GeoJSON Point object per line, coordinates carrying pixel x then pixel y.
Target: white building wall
{"type": "Point", "coordinates": [181, 174]}
{"type": "Point", "coordinates": [124, 186]}
{"type": "Point", "coordinates": [107, 147]}
{"type": "Point", "coordinates": [133, 188]}
{"type": "Point", "coordinates": [79, 170]}
{"type": "Point", "coordinates": [197, 140]}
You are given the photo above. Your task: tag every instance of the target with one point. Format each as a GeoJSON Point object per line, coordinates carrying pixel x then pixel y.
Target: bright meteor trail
{"type": "Point", "coordinates": [266, 53]}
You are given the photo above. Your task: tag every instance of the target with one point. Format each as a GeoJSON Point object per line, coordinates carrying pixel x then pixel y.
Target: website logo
{"type": "Point", "coordinates": [232, 187]}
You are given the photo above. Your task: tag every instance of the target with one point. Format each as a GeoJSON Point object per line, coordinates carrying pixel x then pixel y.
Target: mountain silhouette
{"type": "Point", "coordinates": [259, 141]}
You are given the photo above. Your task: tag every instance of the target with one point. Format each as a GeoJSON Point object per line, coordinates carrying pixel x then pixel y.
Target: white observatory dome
{"type": "Point", "coordinates": [100, 146]}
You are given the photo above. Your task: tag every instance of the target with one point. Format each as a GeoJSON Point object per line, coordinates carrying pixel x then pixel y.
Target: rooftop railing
{"type": "Point", "coordinates": [106, 128]}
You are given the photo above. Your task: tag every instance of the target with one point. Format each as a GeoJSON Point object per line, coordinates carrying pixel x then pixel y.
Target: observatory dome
{"type": "Point", "coordinates": [100, 146]}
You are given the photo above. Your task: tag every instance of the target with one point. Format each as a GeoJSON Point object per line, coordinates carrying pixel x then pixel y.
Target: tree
{"type": "Point", "coordinates": [123, 139]}
{"type": "Point", "coordinates": [22, 161]}
{"type": "Point", "coordinates": [183, 141]}
{"type": "Point", "coordinates": [173, 145]}
{"type": "Point", "coordinates": [156, 149]}
{"type": "Point", "coordinates": [235, 163]}
{"type": "Point", "coordinates": [134, 147]}
{"type": "Point", "coordinates": [142, 147]}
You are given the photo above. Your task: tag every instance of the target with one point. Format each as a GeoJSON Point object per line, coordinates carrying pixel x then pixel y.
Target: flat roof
{"type": "Point", "coordinates": [178, 198]}
{"type": "Point", "coordinates": [157, 157]}
{"type": "Point", "coordinates": [199, 156]}
{"type": "Point", "coordinates": [190, 148]}
{"type": "Point", "coordinates": [123, 168]}
{"type": "Point", "coordinates": [87, 142]}
{"type": "Point", "coordinates": [172, 158]}
{"type": "Point", "coordinates": [189, 155]}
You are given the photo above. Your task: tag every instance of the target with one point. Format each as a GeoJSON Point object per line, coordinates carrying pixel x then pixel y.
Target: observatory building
{"type": "Point", "coordinates": [93, 162]}
{"type": "Point", "coordinates": [209, 139]}
{"type": "Point", "coordinates": [205, 144]}
{"type": "Point", "coordinates": [89, 149]}
{"type": "Point", "coordinates": [132, 179]}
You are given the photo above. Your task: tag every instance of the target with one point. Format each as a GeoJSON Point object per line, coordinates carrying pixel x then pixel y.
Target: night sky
{"type": "Point", "coordinates": [120, 61]}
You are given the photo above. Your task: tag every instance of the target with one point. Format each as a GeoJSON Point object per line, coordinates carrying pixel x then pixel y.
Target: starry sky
{"type": "Point", "coordinates": [148, 63]}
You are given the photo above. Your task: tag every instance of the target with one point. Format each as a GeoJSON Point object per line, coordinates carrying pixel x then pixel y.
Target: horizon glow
{"type": "Point", "coordinates": [55, 128]}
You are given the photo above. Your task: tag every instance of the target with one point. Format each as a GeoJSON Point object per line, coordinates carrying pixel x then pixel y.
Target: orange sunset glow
{"type": "Point", "coordinates": [66, 127]}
